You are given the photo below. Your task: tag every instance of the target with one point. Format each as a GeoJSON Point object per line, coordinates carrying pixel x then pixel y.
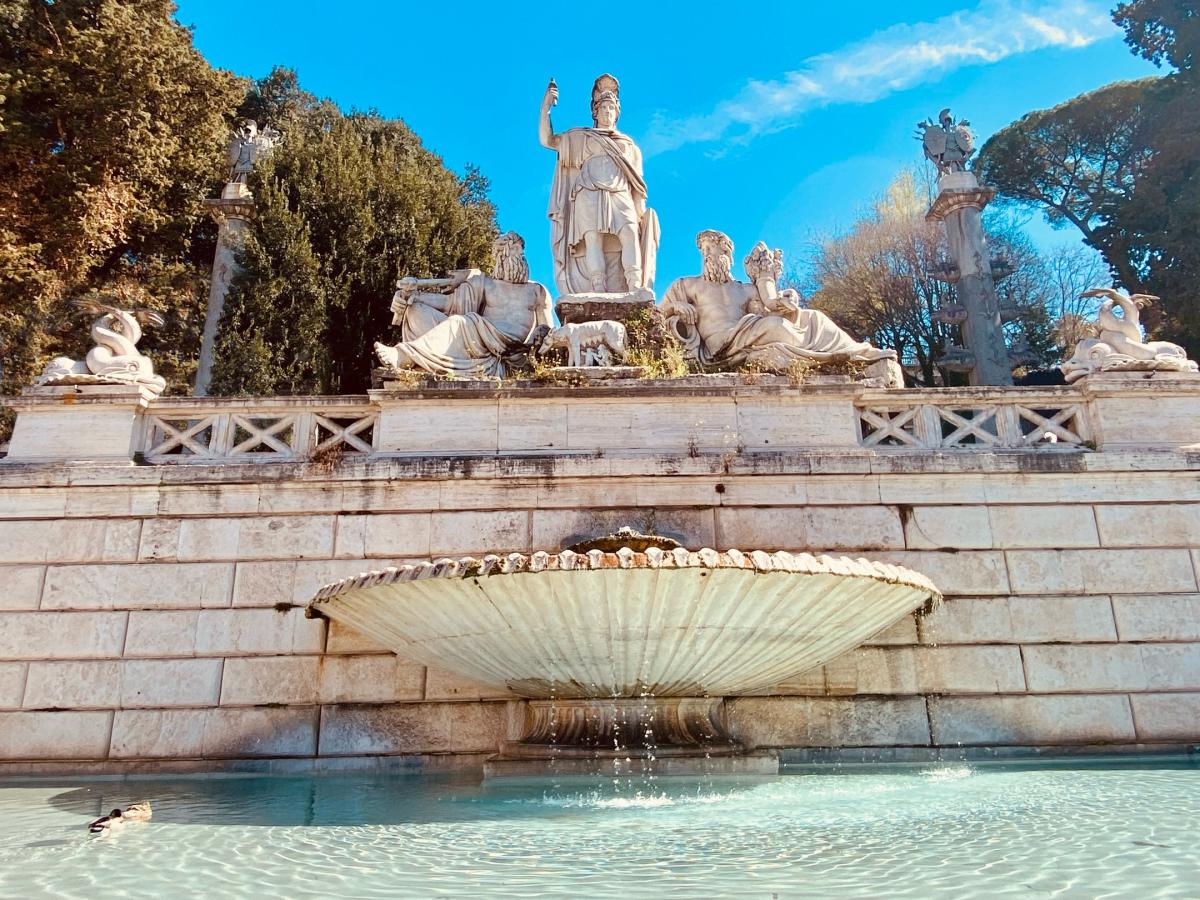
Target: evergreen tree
{"type": "Point", "coordinates": [344, 205]}
{"type": "Point", "coordinates": [1161, 220]}
{"type": "Point", "coordinates": [1078, 162]}
{"type": "Point", "coordinates": [112, 130]}
{"type": "Point", "coordinates": [1163, 31]}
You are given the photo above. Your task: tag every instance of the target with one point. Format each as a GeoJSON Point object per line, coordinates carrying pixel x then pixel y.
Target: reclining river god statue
{"type": "Point", "coordinates": [728, 322]}
{"type": "Point", "coordinates": [470, 329]}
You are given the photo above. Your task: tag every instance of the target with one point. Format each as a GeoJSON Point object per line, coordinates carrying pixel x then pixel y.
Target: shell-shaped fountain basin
{"type": "Point", "coordinates": [651, 622]}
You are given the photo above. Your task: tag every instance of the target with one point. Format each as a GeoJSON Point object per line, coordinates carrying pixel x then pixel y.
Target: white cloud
{"type": "Point", "coordinates": [891, 60]}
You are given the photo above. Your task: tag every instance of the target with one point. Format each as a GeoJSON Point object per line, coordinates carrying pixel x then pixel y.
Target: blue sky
{"type": "Point", "coordinates": [767, 121]}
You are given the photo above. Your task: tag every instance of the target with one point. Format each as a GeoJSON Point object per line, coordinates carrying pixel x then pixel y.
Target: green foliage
{"type": "Point", "coordinates": [1122, 164]}
{"type": "Point", "coordinates": [1160, 221]}
{"type": "Point", "coordinates": [345, 204]}
{"type": "Point", "coordinates": [112, 130]}
{"type": "Point", "coordinates": [653, 346]}
{"type": "Point", "coordinates": [1078, 162]}
{"type": "Point", "coordinates": [1162, 30]}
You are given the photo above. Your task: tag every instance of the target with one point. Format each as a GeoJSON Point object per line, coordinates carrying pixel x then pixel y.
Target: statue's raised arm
{"type": "Point", "coordinates": [546, 130]}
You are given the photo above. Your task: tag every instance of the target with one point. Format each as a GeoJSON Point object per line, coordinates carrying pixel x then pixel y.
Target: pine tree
{"type": "Point", "coordinates": [1122, 164]}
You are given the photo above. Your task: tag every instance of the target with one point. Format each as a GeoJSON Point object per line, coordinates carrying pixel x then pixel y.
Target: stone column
{"type": "Point", "coordinates": [959, 203]}
{"type": "Point", "coordinates": [233, 212]}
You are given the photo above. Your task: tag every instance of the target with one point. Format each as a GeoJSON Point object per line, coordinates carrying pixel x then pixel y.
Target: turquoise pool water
{"type": "Point", "coordinates": [942, 831]}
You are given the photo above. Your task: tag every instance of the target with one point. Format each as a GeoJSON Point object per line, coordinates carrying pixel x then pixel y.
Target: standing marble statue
{"type": "Point", "coordinates": [603, 236]}
{"type": "Point", "coordinates": [470, 330]}
{"type": "Point", "coordinates": [728, 322]}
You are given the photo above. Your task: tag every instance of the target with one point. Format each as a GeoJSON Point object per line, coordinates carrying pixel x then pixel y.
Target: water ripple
{"type": "Point", "coordinates": [948, 831]}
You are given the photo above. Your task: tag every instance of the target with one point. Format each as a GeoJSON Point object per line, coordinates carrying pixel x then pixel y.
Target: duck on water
{"type": "Point", "coordinates": [137, 812]}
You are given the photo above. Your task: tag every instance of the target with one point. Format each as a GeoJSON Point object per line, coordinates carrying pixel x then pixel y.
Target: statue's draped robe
{"type": "Point", "coordinates": [461, 341]}
{"type": "Point", "coordinates": [809, 335]}
{"type": "Point", "coordinates": [598, 186]}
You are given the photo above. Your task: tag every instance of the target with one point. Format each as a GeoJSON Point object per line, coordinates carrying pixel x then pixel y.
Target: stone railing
{"type": "Point", "coordinates": [924, 420]}
{"type": "Point", "coordinates": [277, 430]}
{"type": "Point", "coordinates": [725, 417]}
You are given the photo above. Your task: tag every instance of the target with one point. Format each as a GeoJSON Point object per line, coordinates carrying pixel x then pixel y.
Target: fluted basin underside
{"type": "Point", "coordinates": [665, 623]}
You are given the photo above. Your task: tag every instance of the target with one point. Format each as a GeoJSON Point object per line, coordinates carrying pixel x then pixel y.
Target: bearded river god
{"type": "Point", "coordinates": [727, 322]}
{"type": "Point", "coordinates": [470, 330]}
{"type": "Point", "coordinates": [604, 238]}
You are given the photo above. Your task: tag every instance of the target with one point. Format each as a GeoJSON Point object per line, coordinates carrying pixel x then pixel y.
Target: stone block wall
{"type": "Point", "coordinates": [151, 617]}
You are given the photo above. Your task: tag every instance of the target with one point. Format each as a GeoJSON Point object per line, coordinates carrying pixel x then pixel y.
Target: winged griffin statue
{"type": "Point", "coordinates": [948, 144]}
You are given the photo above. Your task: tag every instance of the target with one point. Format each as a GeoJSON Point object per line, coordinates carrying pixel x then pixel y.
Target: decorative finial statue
{"type": "Point", "coordinates": [232, 210]}
{"type": "Point", "coordinates": [948, 145]}
{"type": "Point", "coordinates": [603, 236]}
{"type": "Point", "coordinates": [1120, 346]}
{"type": "Point", "coordinates": [247, 146]}
{"type": "Point", "coordinates": [115, 359]}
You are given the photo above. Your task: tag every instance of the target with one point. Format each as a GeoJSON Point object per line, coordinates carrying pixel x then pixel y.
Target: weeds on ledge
{"type": "Point", "coordinates": [653, 347]}
{"type": "Point", "coordinates": [659, 353]}
{"type": "Point", "coordinates": [841, 366]}
{"type": "Point", "coordinates": [418, 378]}
{"type": "Point", "coordinates": [324, 460]}
{"type": "Point", "coordinates": [545, 370]}
{"type": "Point", "coordinates": [406, 377]}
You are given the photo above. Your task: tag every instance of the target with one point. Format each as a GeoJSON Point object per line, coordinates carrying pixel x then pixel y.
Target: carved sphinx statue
{"type": "Point", "coordinates": [603, 236]}
{"type": "Point", "coordinates": [1120, 346]}
{"type": "Point", "coordinates": [115, 359]}
{"type": "Point", "coordinates": [728, 322]}
{"type": "Point", "coordinates": [475, 324]}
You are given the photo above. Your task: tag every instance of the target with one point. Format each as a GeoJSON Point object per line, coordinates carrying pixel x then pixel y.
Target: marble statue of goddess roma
{"type": "Point", "coordinates": [731, 322]}
{"type": "Point", "coordinates": [603, 236]}
{"type": "Point", "coordinates": [470, 330]}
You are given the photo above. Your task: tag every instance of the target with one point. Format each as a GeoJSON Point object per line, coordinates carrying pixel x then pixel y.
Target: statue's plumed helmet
{"type": "Point", "coordinates": [711, 236]}
{"type": "Point", "coordinates": [606, 88]}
